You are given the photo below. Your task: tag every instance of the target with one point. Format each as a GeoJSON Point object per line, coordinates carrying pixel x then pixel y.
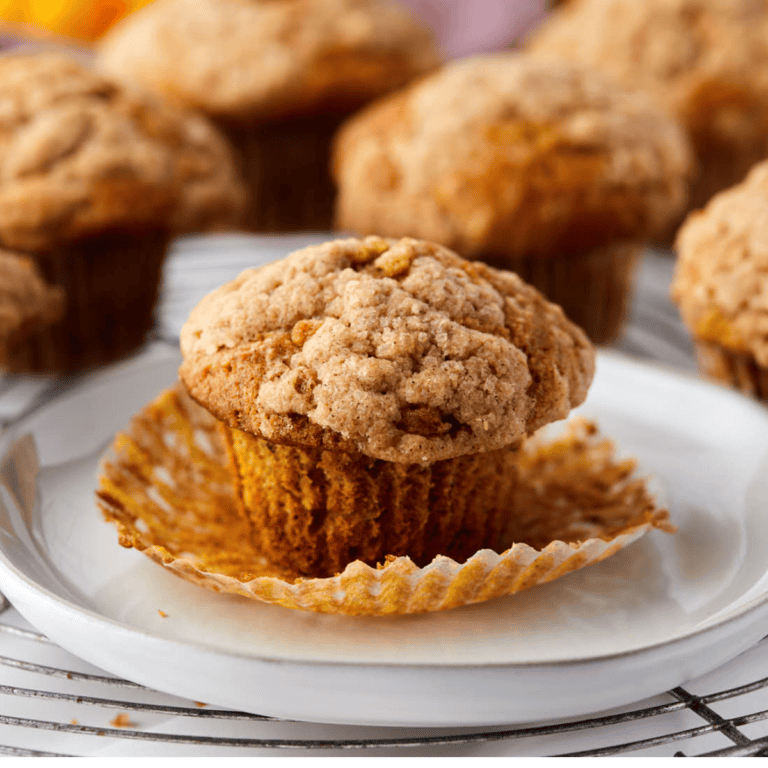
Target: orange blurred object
{"type": "Point", "coordinates": [85, 20]}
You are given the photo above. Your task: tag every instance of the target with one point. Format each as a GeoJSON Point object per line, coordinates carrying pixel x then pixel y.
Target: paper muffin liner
{"type": "Point", "coordinates": [316, 510]}
{"type": "Point", "coordinates": [739, 370]}
{"type": "Point", "coordinates": [286, 168]}
{"type": "Point", "coordinates": [111, 283]}
{"type": "Point", "coordinates": [593, 288]}
{"type": "Point", "coordinates": [169, 489]}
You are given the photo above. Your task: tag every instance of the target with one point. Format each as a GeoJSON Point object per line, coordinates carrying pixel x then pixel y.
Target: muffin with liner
{"type": "Point", "coordinates": [168, 487]}
{"type": "Point", "coordinates": [545, 169]}
{"type": "Point", "coordinates": [94, 182]}
{"type": "Point", "coordinates": [721, 284]}
{"type": "Point", "coordinates": [373, 394]}
{"type": "Point", "coordinates": [705, 61]}
{"type": "Point", "coordinates": [27, 302]}
{"type": "Point", "coordinates": [277, 76]}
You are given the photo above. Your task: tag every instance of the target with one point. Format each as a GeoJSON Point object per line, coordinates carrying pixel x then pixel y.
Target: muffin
{"type": "Point", "coordinates": [277, 76]}
{"type": "Point", "coordinates": [94, 182]}
{"type": "Point", "coordinates": [27, 303]}
{"type": "Point", "coordinates": [545, 169]}
{"type": "Point", "coordinates": [706, 61]}
{"type": "Point", "coordinates": [721, 284]}
{"type": "Point", "coordinates": [373, 394]}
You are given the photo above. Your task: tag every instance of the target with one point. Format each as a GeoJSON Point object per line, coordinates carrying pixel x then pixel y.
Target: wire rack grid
{"type": "Point", "coordinates": [54, 704]}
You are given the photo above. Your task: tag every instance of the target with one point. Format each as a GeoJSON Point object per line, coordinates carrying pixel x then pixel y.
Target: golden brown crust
{"type": "Point", "coordinates": [259, 60]}
{"type": "Point", "coordinates": [27, 302]}
{"type": "Point", "coordinates": [398, 349]}
{"type": "Point", "coordinates": [508, 154]}
{"type": "Point", "coordinates": [721, 274]}
{"type": "Point", "coordinates": [706, 61]}
{"type": "Point", "coordinates": [79, 155]}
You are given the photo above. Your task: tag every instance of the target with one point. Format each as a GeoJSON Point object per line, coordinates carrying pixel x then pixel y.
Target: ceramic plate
{"type": "Point", "coordinates": [666, 609]}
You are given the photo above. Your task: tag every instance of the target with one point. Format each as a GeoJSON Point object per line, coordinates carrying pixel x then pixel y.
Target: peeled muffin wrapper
{"type": "Point", "coordinates": [168, 487]}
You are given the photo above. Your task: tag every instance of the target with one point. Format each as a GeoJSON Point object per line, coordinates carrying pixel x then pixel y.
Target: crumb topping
{"type": "Point", "coordinates": [79, 154]}
{"type": "Point", "coordinates": [510, 155]}
{"type": "Point", "coordinates": [398, 349]}
{"type": "Point", "coordinates": [259, 60]}
{"type": "Point", "coordinates": [27, 303]}
{"type": "Point", "coordinates": [721, 273]}
{"type": "Point", "coordinates": [704, 60]}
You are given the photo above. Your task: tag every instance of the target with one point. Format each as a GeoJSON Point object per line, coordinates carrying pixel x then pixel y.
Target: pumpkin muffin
{"type": "Point", "coordinates": [373, 394]}
{"type": "Point", "coordinates": [706, 61]}
{"type": "Point", "coordinates": [27, 303]}
{"type": "Point", "coordinates": [721, 284]}
{"type": "Point", "coordinates": [277, 76]}
{"type": "Point", "coordinates": [546, 169]}
{"type": "Point", "coordinates": [94, 182]}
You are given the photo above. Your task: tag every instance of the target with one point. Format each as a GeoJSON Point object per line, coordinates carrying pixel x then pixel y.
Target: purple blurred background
{"type": "Point", "coordinates": [465, 27]}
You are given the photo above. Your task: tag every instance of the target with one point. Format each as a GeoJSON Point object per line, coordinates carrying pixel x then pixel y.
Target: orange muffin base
{"type": "Point", "coordinates": [168, 487]}
{"type": "Point", "coordinates": [738, 370]}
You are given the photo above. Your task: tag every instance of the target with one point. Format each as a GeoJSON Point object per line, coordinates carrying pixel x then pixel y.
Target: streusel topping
{"type": "Point", "coordinates": [79, 154]}
{"type": "Point", "coordinates": [398, 349]}
{"type": "Point", "coordinates": [259, 60]}
{"type": "Point", "coordinates": [27, 302]}
{"type": "Point", "coordinates": [511, 155]}
{"type": "Point", "coordinates": [721, 273]}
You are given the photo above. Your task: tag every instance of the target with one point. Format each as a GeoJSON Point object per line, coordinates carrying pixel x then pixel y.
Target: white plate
{"type": "Point", "coordinates": [661, 612]}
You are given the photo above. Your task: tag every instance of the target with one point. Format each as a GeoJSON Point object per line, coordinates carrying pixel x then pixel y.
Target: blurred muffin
{"type": "Point", "coordinates": [277, 76]}
{"type": "Point", "coordinates": [94, 182]}
{"type": "Point", "coordinates": [27, 303]}
{"type": "Point", "coordinates": [706, 61]}
{"type": "Point", "coordinates": [721, 284]}
{"type": "Point", "coordinates": [373, 394]}
{"type": "Point", "coordinates": [542, 168]}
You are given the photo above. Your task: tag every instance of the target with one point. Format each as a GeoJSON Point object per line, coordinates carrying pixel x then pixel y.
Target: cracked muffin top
{"type": "Point", "coordinates": [721, 273]}
{"type": "Point", "coordinates": [79, 154]}
{"type": "Point", "coordinates": [401, 350]}
{"type": "Point", "coordinates": [260, 60]}
{"type": "Point", "coordinates": [704, 60]}
{"type": "Point", "coordinates": [27, 302]}
{"type": "Point", "coordinates": [506, 154]}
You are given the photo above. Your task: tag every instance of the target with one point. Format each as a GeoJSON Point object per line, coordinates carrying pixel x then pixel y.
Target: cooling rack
{"type": "Point", "coordinates": [54, 704]}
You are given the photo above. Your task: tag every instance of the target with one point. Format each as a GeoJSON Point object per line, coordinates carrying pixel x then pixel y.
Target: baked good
{"type": "Point", "coordinates": [94, 181]}
{"type": "Point", "coordinates": [27, 303]}
{"type": "Point", "coordinates": [706, 61]}
{"type": "Point", "coordinates": [373, 394]}
{"type": "Point", "coordinates": [277, 76]}
{"type": "Point", "coordinates": [721, 283]}
{"type": "Point", "coordinates": [543, 168]}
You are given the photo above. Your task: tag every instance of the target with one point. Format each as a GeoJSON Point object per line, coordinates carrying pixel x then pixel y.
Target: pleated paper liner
{"type": "Point", "coordinates": [167, 486]}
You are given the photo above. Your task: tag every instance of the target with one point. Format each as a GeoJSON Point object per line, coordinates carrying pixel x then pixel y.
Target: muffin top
{"type": "Point", "coordinates": [721, 273]}
{"type": "Point", "coordinates": [506, 154]}
{"type": "Point", "coordinates": [398, 349]}
{"type": "Point", "coordinates": [79, 154]}
{"type": "Point", "coordinates": [27, 303]}
{"type": "Point", "coordinates": [260, 60]}
{"type": "Point", "coordinates": [705, 60]}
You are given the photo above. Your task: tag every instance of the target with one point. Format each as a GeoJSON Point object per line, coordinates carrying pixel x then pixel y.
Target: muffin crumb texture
{"type": "Point", "coordinates": [721, 275]}
{"type": "Point", "coordinates": [263, 60]}
{"type": "Point", "coordinates": [27, 303]}
{"type": "Point", "coordinates": [79, 155]}
{"type": "Point", "coordinates": [507, 154]}
{"type": "Point", "coordinates": [398, 349]}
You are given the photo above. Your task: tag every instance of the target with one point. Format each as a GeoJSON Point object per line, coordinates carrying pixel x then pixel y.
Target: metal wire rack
{"type": "Point", "coordinates": [54, 704]}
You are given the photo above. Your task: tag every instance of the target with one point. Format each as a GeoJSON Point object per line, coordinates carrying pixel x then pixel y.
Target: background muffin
{"type": "Point", "coordinates": [721, 283]}
{"type": "Point", "coordinates": [373, 393]}
{"type": "Point", "coordinates": [27, 303]}
{"type": "Point", "coordinates": [706, 61]}
{"type": "Point", "coordinates": [94, 181]}
{"type": "Point", "coordinates": [543, 168]}
{"type": "Point", "coordinates": [277, 76]}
